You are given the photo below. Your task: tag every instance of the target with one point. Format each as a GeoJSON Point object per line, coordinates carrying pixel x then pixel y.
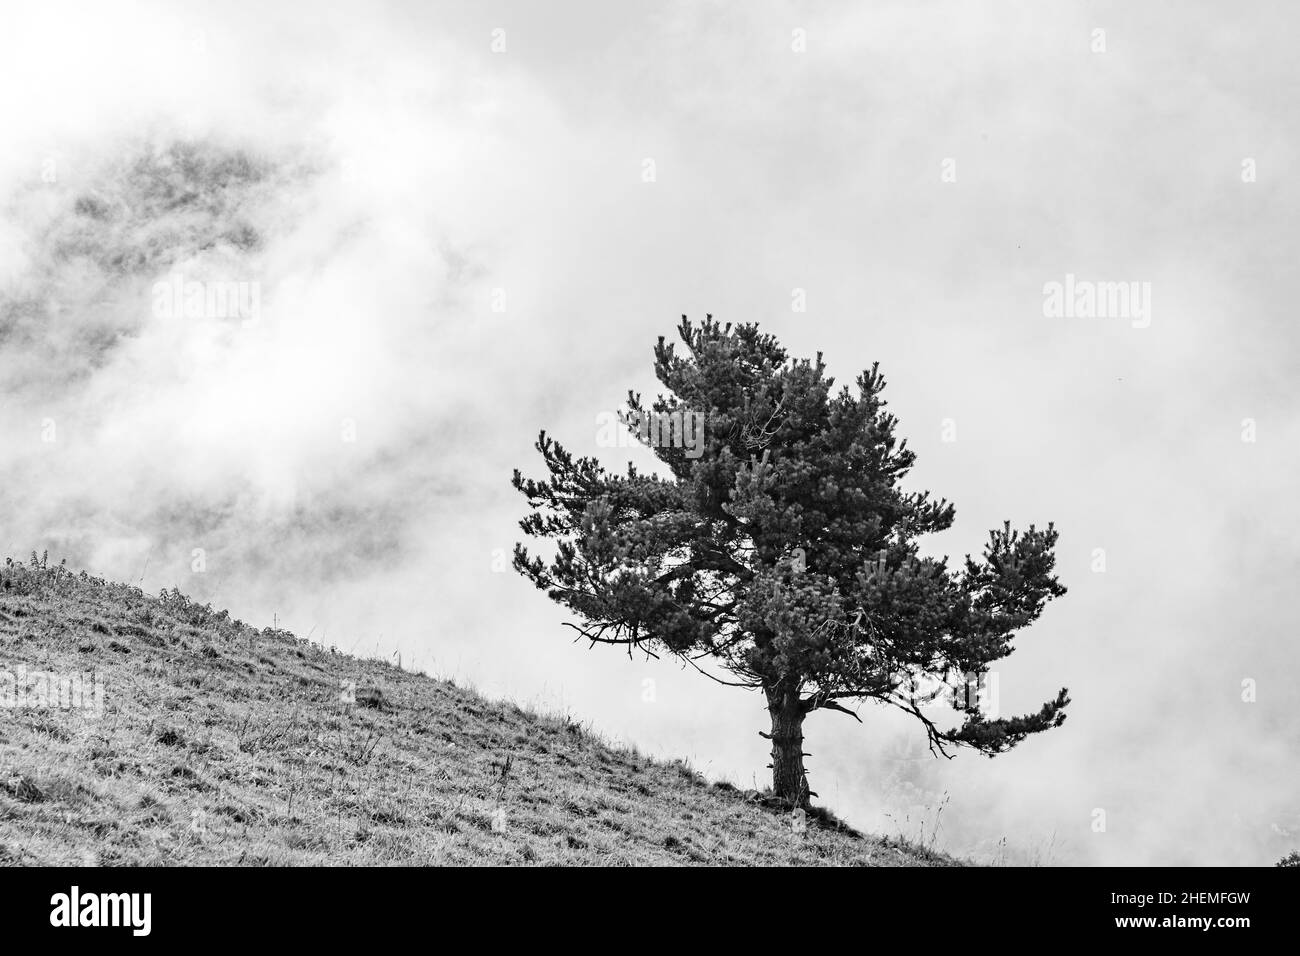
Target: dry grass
{"type": "Point", "coordinates": [220, 744]}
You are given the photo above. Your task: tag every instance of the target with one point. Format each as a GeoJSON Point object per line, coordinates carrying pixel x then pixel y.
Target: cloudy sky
{"type": "Point", "coordinates": [471, 222]}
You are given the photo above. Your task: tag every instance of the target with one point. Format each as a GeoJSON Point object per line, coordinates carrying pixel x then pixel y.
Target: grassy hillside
{"type": "Point", "coordinates": [217, 743]}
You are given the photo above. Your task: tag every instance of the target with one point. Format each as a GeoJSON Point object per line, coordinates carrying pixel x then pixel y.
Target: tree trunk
{"type": "Point", "coordinates": [789, 781]}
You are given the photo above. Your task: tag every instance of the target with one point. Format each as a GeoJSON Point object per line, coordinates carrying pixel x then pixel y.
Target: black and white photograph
{"type": "Point", "coordinates": [774, 435]}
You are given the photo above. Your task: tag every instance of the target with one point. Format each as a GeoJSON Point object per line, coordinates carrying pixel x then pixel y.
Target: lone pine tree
{"type": "Point", "coordinates": [781, 550]}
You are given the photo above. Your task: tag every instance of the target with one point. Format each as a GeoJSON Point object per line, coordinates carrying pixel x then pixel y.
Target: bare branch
{"type": "Point", "coordinates": [831, 705]}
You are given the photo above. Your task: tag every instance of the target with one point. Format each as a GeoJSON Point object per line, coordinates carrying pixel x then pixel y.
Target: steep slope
{"type": "Point", "coordinates": [195, 739]}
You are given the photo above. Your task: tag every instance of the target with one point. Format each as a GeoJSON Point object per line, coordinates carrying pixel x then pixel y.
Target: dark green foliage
{"type": "Point", "coordinates": [787, 550]}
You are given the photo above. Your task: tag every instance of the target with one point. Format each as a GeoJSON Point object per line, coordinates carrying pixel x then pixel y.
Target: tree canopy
{"type": "Point", "coordinates": [780, 551]}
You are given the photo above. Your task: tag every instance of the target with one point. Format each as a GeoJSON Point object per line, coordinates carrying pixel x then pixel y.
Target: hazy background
{"type": "Point", "coordinates": [414, 182]}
